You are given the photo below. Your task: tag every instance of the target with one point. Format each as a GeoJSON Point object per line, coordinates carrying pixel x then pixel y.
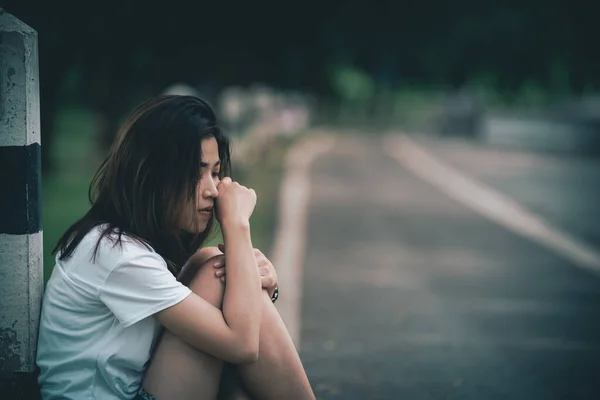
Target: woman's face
{"type": "Point", "coordinates": [198, 212]}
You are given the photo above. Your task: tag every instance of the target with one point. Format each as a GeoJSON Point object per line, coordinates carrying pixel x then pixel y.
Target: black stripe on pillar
{"type": "Point", "coordinates": [20, 189]}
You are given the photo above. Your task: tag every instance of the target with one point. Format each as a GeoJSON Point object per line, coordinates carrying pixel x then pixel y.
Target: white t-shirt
{"type": "Point", "coordinates": [97, 329]}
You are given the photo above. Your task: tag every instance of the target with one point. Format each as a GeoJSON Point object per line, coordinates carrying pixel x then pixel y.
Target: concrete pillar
{"type": "Point", "coordinates": [21, 269]}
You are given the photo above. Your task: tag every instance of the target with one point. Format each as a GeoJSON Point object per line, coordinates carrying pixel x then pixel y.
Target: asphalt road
{"type": "Point", "coordinates": [411, 295]}
{"type": "Point", "coordinates": [563, 189]}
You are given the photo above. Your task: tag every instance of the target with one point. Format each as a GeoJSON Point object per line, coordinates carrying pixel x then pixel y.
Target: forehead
{"type": "Point", "coordinates": [210, 151]}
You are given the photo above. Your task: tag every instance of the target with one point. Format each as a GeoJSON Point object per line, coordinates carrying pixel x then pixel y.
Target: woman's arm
{"type": "Point", "coordinates": [268, 274]}
{"type": "Point", "coordinates": [232, 334]}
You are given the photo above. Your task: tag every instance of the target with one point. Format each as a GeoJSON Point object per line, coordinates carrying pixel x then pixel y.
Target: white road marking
{"type": "Point", "coordinates": [489, 202]}
{"type": "Point", "coordinates": [290, 236]}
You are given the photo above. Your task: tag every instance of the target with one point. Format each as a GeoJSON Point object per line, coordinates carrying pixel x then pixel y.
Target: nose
{"type": "Point", "coordinates": [210, 189]}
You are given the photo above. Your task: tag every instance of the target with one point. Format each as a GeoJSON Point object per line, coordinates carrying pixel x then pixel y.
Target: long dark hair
{"type": "Point", "coordinates": [151, 170]}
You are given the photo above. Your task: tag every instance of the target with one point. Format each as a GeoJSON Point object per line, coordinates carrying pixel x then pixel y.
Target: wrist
{"type": "Point", "coordinates": [235, 224]}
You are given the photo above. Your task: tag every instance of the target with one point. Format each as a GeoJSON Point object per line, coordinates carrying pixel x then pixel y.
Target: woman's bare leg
{"type": "Point", "coordinates": [178, 371]}
{"type": "Point", "coordinates": [278, 373]}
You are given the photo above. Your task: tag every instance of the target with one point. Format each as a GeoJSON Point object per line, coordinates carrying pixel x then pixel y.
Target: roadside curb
{"type": "Point", "coordinates": [290, 234]}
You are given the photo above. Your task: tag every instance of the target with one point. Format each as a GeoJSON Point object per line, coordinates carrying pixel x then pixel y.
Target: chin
{"type": "Point", "coordinates": [195, 230]}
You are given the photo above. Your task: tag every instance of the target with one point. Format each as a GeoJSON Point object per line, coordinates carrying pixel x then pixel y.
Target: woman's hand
{"type": "Point", "coordinates": [235, 203]}
{"type": "Point", "coordinates": [268, 275]}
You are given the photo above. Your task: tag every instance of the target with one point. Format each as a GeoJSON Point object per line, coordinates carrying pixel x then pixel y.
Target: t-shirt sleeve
{"type": "Point", "coordinates": [139, 287]}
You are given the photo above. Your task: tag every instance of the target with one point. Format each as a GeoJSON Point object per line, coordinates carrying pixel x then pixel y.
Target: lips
{"type": "Point", "coordinates": [206, 209]}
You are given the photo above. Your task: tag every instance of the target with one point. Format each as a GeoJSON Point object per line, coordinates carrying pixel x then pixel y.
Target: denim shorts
{"type": "Point", "coordinates": [143, 395]}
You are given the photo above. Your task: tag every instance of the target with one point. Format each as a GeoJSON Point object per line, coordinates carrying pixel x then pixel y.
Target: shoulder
{"type": "Point", "coordinates": [114, 249]}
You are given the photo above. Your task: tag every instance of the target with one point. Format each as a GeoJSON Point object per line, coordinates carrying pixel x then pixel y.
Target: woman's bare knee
{"type": "Point", "coordinates": [205, 283]}
{"type": "Point", "coordinates": [192, 266]}
{"type": "Point", "coordinates": [204, 254]}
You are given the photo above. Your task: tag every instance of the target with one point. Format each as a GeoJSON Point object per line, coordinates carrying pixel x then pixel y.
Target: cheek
{"type": "Point", "coordinates": [189, 207]}
{"type": "Point", "coordinates": [186, 213]}
{"type": "Point", "coordinates": [198, 196]}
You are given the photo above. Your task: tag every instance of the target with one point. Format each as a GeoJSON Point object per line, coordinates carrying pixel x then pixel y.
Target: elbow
{"type": "Point", "coordinates": [248, 354]}
{"type": "Point", "coordinates": [246, 351]}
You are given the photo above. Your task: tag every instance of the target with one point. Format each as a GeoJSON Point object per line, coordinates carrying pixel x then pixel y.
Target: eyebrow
{"type": "Point", "coordinates": [205, 165]}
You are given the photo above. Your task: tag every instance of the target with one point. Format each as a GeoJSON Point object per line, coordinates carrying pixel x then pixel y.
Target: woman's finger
{"type": "Point", "coordinates": [267, 282]}
{"type": "Point", "coordinates": [264, 269]}
{"type": "Point", "coordinates": [261, 259]}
